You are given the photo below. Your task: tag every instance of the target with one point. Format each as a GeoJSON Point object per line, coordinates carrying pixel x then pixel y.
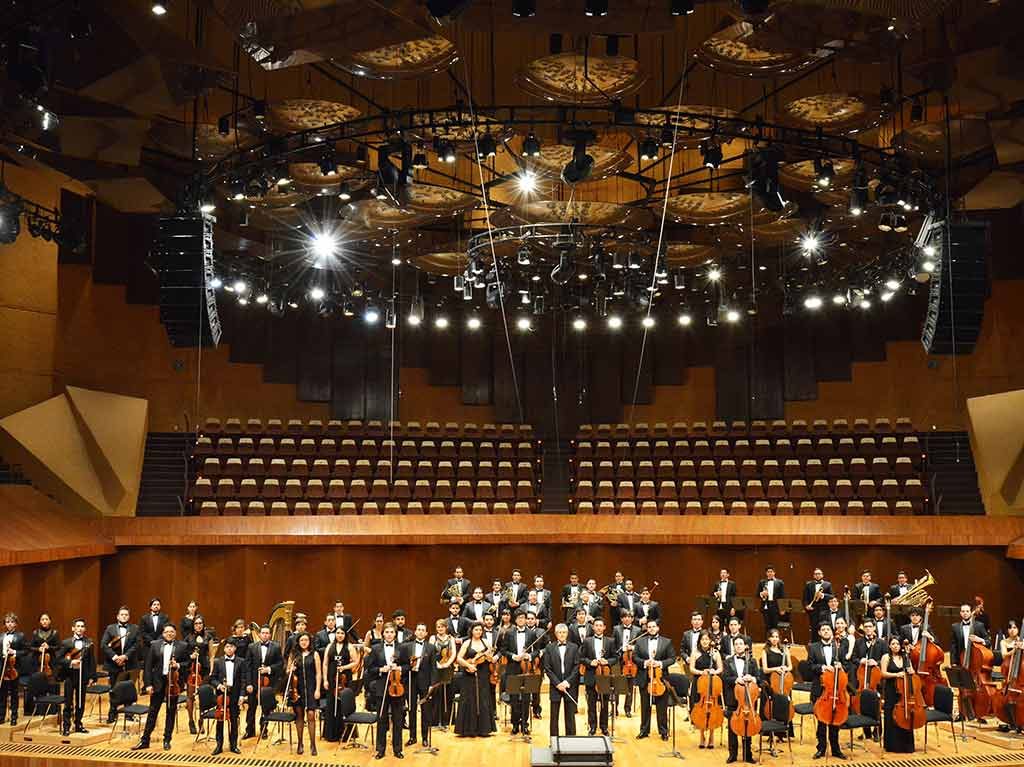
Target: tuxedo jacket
{"type": "Point", "coordinates": [498, 601]}
{"type": "Point", "coordinates": [587, 653]}
{"type": "Point", "coordinates": [653, 612]}
{"type": "Point", "coordinates": [469, 610]}
{"type": "Point", "coordinates": [725, 645]}
{"type": "Point", "coordinates": [465, 585]}
{"type": "Point", "coordinates": [686, 644]}
{"type": "Point", "coordinates": [404, 634]}
{"type": "Point", "coordinates": [219, 675]}
{"type": "Point", "coordinates": [63, 669]}
{"type": "Point", "coordinates": [822, 604]}
{"type": "Point", "coordinates": [659, 649]}
{"type": "Point", "coordinates": [874, 652]}
{"type": "Point", "coordinates": [322, 638]}
{"type": "Point", "coordinates": [778, 590]}
{"type": "Point", "coordinates": [21, 650]}
{"type": "Point", "coordinates": [426, 671]}
{"type": "Point", "coordinates": [520, 592]}
{"type": "Point", "coordinates": [153, 670]}
{"type": "Point", "coordinates": [874, 592]}
{"type": "Point", "coordinates": [556, 672]}
{"type": "Point", "coordinates": [816, 661]}
{"type": "Point", "coordinates": [894, 590]}
{"type": "Point", "coordinates": [724, 601]}
{"type": "Point", "coordinates": [622, 601]}
{"type": "Point", "coordinates": [458, 627]}
{"type": "Point", "coordinates": [345, 621]}
{"type": "Point", "coordinates": [578, 633]}
{"type": "Point", "coordinates": [730, 673]}
{"type": "Point", "coordinates": [541, 611]}
{"type": "Point", "coordinates": [623, 636]}
{"type": "Point", "coordinates": [110, 648]}
{"type": "Point", "coordinates": [508, 646]}
{"type": "Point", "coordinates": [907, 632]}
{"type": "Point", "coordinates": [150, 633]}
{"type": "Point", "coordinates": [375, 661]}
{"type": "Point", "coordinates": [543, 598]}
{"type": "Point", "coordinates": [274, 659]}
{"type": "Point", "coordinates": [956, 639]}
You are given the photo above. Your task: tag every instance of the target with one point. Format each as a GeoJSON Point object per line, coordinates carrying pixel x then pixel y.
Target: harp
{"type": "Point", "coordinates": [280, 622]}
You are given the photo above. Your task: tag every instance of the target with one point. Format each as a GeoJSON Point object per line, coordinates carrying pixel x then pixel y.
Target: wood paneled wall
{"type": "Point", "coordinates": [246, 581]}
{"type": "Point", "coordinates": [66, 590]}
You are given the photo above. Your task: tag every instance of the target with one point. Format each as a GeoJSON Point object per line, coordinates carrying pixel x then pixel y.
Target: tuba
{"type": "Point", "coordinates": [916, 595]}
{"type": "Point", "coordinates": [280, 622]}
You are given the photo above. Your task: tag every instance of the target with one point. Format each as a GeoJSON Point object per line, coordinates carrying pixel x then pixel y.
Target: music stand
{"type": "Point", "coordinates": [430, 748]}
{"type": "Point", "coordinates": [676, 702]}
{"type": "Point", "coordinates": [525, 686]}
{"type": "Point", "coordinates": [787, 607]}
{"type": "Point", "coordinates": [707, 606]}
{"type": "Point", "coordinates": [960, 679]}
{"type": "Point", "coordinates": [616, 685]}
{"type": "Point", "coordinates": [742, 604]}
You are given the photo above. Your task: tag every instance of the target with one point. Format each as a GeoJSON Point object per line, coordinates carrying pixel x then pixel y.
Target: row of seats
{"type": "Point", "coordinates": [813, 468]}
{"type": "Point", "coordinates": [329, 447]}
{"type": "Point", "coordinates": [755, 489]}
{"type": "Point", "coordinates": [393, 429]}
{"type": "Point", "coordinates": [759, 508]}
{"type": "Point", "coordinates": [363, 468]}
{"type": "Point", "coordinates": [774, 447]}
{"type": "Point", "coordinates": [779, 427]}
{"type": "Point", "coordinates": [359, 489]}
{"type": "Point", "coordinates": [367, 508]}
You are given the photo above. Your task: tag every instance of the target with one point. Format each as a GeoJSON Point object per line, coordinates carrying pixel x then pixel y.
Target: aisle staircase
{"type": "Point", "coordinates": [162, 491]}
{"type": "Point", "coordinates": [952, 476]}
{"type": "Point", "coordinates": [555, 490]}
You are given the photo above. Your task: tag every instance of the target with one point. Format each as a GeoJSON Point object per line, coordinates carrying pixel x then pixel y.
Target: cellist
{"type": "Point", "coordinates": [738, 668]}
{"type": "Point", "coordinates": [912, 631]}
{"type": "Point", "coordinates": [821, 655]}
{"type": "Point", "coordinates": [969, 631]}
{"type": "Point", "coordinates": [706, 661]}
{"type": "Point", "coordinates": [896, 665]}
{"type": "Point", "coordinates": [775, 659]}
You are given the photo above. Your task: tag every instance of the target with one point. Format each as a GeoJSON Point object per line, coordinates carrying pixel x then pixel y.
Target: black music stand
{"type": "Point", "coordinates": [676, 702]}
{"type": "Point", "coordinates": [741, 605]}
{"type": "Point", "coordinates": [960, 679]}
{"type": "Point", "coordinates": [611, 687]}
{"type": "Point", "coordinates": [788, 607]}
{"type": "Point", "coordinates": [525, 686]}
{"type": "Point", "coordinates": [707, 606]}
{"type": "Point", "coordinates": [430, 748]}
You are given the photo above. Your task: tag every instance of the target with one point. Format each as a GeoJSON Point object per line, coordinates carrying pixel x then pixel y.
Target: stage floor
{"type": "Point", "coordinates": [500, 748]}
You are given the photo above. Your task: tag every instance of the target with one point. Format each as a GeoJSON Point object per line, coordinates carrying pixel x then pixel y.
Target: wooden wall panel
{"type": "Point", "coordinates": [314, 369]}
{"type": "Point", "coordinates": [799, 382]}
{"type": "Point", "coordinates": [249, 335]}
{"type": "Point", "coordinates": [66, 590]}
{"type": "Point", "coordinates": [867, 336]}
{"type": "Point", "coordinates": [348, 373]}
{"type": "Point", "coordinates": [669, 353]}
{"type": "Point", "coordinates": [445, 351]}
{"type": "Point", "coordinates": [507, 401]}
{"type": "Point", "coordinates": [476, 367]}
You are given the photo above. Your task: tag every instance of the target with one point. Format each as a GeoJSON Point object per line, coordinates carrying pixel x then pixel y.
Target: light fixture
{"type": "Point", "coordinates": [685, 319]}
{"type": "Point", "coordinates": [531, 145]}
{"type": "Point", "coordinates": [648, 149]}
{"type": "Point", "coordinates": [887, 296]}
{"type": "Point", "coordinates": [328, 164]}
{"type": "Point", "coordinates": [615, 322]}
{"type": "Point", "coordinates": [160, 7]}
{"type": "Point", "coordinates": [595, 7]}
{"type": "Point", "coordinates": [526, 181]}
{"type": "Point", "coordinates": [371, 315]}
{"type": "Point", "coordinates": [680, 7]}
{"type": "Point", "coordinates": [523, 256]}
{"type": "Point", "coordinates": [813, 302]}
{"type": "Point", "coordinates": [415, 311]}
{"type": "Point", "coordinates": [239, 286]}
{"type": "Point", "coordinates": [579, 168]}
{"type": "Point", "coordinates": [824, 172]}
{"type": "Point", "coordinates": [810, 243]}
{"type": "Point", "coordinates": [886, 222]}
{"type": "Point", "coordinates": [440, 322]}
{"type": "Point", "coordinates": [445, 150]}
{"type": "Point", "coordinates": [323, 246]}
{"type": "Point", "coordinates": [929, 251]}
{"type": "Point", "coordinates": [344, 194]}
{"type": "Point", "coordinates": [892, 284]}
{"type": "Point", "coordinates": [635, 261]}
{"type": "Point", "coordinates": [243, 301]}
{"type": "Point", "coordinates": [711, 151]}
{"type": "Point", "coordinates": [216, 283]}
{"type": "Point", "coordinates": [262, 298]}
{"type": "Point", "coordinates": [864, 304]}
{"type": "Point", "coordinates": [731, 315]}
{"type": "Point", "coordinates": [858, 192]}
{"type": "Point", "coordinates": [839, 299]}
{"type": "Point", "coordinates": [523, 323]}
{"type": "Point", "coordinates": [206, 205]}
{"type": "Point", "coordinates": [714, 274]}
{"type": "Point", "coordinates": [396, 260]}
{"type": "Point", "coordinates": [419, 160]}
{"type": "Point", "coordinates": [579, 324]}
{"type": "Point", "coordinates": [486, 147]}
{"type": "Point", "coordinates": [928, 266]}
{"type": "Point", "coordinates": [474, 322]}
{"type": "Point", "coordinates": [524, 9]}
{"type": "Point", "coordinates": [647, 322]}
{"type": "Point", "coordinates": [899, 224]}
{"type": "Point", "coordinates": [317, 293]}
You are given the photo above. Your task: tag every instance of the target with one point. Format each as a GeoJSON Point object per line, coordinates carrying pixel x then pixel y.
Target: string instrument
{"type": "Point", "coordinates": [846, 604]}
{"type": "Point", "coordinates": [494, 671]}
{"type": "Point", "coordinates": [195, 675]}
{"type": "Point", "coordinates": [220, 712]}
{"type": "Point", "coordinates": [173, 679]}
{"type": "Point", "coordinates": [446, 653]}
{"type": "Point", "coordinates": [46, 664]}
{"type": "Point", "coordinates": [927, 657]}
{"type": "Point", "coordinates": [655, 682]}
{"type": "Point", "coordinates": [868, 678]}
{"type": "Point", "coordinates": [708, 713]}
{"type": "Point", "coordinates": [833, 705]}
{"type": "Point", "coordinates": [395, 687]}
{"type": "Point", "coordinates": [781, 682]}
{"type": "Point", "coordinates": [910, 712]}
{"type": "Point", "coordinates": [628, 667]}
{"type": "Point", "coordinates": [744, 721]}
{"type": "Point", "coordinates": [10, 669]}
{"type": "Point", "coordinates": [977, 660]}
{"type": "Point", "coordinates": [526, 666]}
{"type": "Point", "coordinates": [1006, 700]}
{"type": "Point", "coordinates": [292, 685]}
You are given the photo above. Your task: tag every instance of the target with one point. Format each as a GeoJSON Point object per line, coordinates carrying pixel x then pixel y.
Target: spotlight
{"type": "Point", "coordinates": [731, 315]}
{"type": "Point", "coordinates": [419, 160]}
{"type": "Point", "coordinates": [323, 246]}
{"type": "Point", "coordinates": [216, 283]}
{"type": "Point", "coordinates": [579, 168]}
{"type": "Point", "coordinates": [813, 302]}
{"type": "Point", "coordinates": [371, 315]}
{"type": "Point", "coordinates": [328, 164]}
{"type": "Point", "coordinates": [317, 293]}
{"type": "Point", "coordinates": [635, 262]}
{"type": "Point", "coordinates": [864, 304]}
{"type": "Point", "coordinates": [596, 7]}
{"type": "Point", "coordinates": [928, 266]}
{"type": "Point", "coordinates": [445, 150]}
{"type": "Point", "coordinates": [415, 311]}
{"type": "Point", "coordinates": [887, 296]}
{"type": "Point", "coordinates": [441, 322]}
{"type": "Point", "coordinates": [839, 299]}
{"type": "Point", "coordinates": [262, 298]}
{"type": "Point", "coordinates": [886, 222]}
{"type": "Point", "coordinates": [526, 181]}
{"type": "Point", "coordinates": [344, 194]}
{"type": "Point", "coordinates": [764, 179]}
{"type": "Point", "coordinates": [239, 286]}
{"type": "Point", "coordinates": [523, 256]}
{"type": "Point", "coordinates": [858, 201]}
{"type": "Point", "coordinates": [293, 305]}
{"type": "Point", "coordinates": [579, 324]}
{"type": "Point", "coordinates": [390, 315]}
{"type": "Point", "coordinates": [685, 319]}
{"type": "Point", "coordinates": [396, 260]}
{"type": "Point", "coordinates": [929, 251]}
{"type": "Point", "coordinates": [207, 205]}
{"type": "Point", "coordinates": [243, 301]}
{"type": "Point", "coordinates": [648, 149]}
{"type": "Point", "coordinates": [647, 322]}
{"type": "Point", "coordinates": [486, 147]}
{"type": "Point", "coordinates": [10, 223]}
{"type": "Point", "coordinates": [160, 7]}
{"type": "Point", "coordinates": [714, 274]}
{"type": "Point", "coordinates": [824, 172]}
{"type": "Point", "coordinates": [810, 243]}
{"type": "Point", "coordinates": [899, 224]}
{"type": "Point", "coordinates": [474, 323]}
{"type": "Point", "coordinates": [892, 284]}
{"type": "Point", "coordinates": [531, 145]}
{"type": "Point", "coordinates": [564, 270]}
{"type": "Point", "coordinates": [615, 322]}
{"type": "Point", "coordinates": [524, 324]}
{"type": "Point", "coordinates": [711, 151]}
{"type": "Point", "coordinates": [524, 9]}
{"type": "Point", "coordinates": [680, 7]}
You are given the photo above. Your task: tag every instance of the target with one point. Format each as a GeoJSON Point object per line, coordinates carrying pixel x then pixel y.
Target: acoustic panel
{"type": "Point", "coordinates": [997, 443]}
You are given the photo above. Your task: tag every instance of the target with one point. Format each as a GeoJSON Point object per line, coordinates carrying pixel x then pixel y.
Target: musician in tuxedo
{"type": "Point", "coordinates": [598, 650]}
{"type": "Point", "coordinates": [868, 651]}
{"type": "Point", "coordinates": [646, 609]}
{"type": "Point", "coordinates": [535, 606]}
{"type": "Point", "coordinates": [151, 626]}
{"type": "Point", "coordinates": [230, 675]}
{"type": "Point", "coordinates": [495, 598]}
{"type": "Point", "coordinates": [688, 645]}
{"type": "Point", "coordinates": [627, 599]}
{"type": "Point", "coordinates": [845, 645]}
{"type": "Point", "coordinates": [898, 589]}
{"type": "Point", "coordinates": [611, 594]}
{"type": "Point", "coordinates": [541, 632]}
{"type": "Point", "coordinates": [14, 650]}
{"type": "Point", "coordinates": [76, 666]}
{"type": "Point", "coordinates": [265, 662]}
{"type": "Point", "coordinates": [882, 627]}
{"type": "Point", "coordinates": [735, 631]}
{"type": "Point", "coordinates": [342, 618]}
{"type": "Point", "coordinates": [723, 592]}
{"type": "Point", "coordinates": [580, 630]}
{"type": "Point", "coordinates": [384, 658]}
{"type": "Point", "coordinates": [491, 632]}
{"type": "Point", "coordinates": [402, 633]}
{"type": "Point", "coordinates": [912, 631]}
{"type": "Point", "coordinates": [325, 635]}
{"type": "Point", "coordinates": [165, 654]}
{"type": "Point", "coordinates": [623, 634]}
{"type": "Point", "coordinates": [738, 667]}
{"type": "Point", "coordinates": [457, 587]}
{"type": "Point", "coordinates": [831, 612]}
{"type": "Point", "coordinates": [120, 645]}
{"type": "Point", "coordinates": [422, 676]}
{"type": "Point", "coordinates": [821, 655]}
{"type": "Point", "coordinates": [570, 596]}
{"type": "Point", "coordinates": [519, 644]}
{"type": "Point", "coordinates": [867, 591]}
{"type": "Point", "coordinates": [771, 590]}
{"type": "Point", "coordinates": [815, 599]}
{"type": "Point", "coordinates": [969, 630]}
{"type": "Point", "coordinates": [457, 625]}
{"type": "Point", "coordinates": [592, 603]}
{"type": "Point", "coordinates": [653, 651]}
{"type": "Point", "coordinates": [561, 663]}
{"type": "Point", "coordinates": [475, 609]}
{"type": "Point", "coordinates": [516, 590]}
{"type": "Point", "coordinates": [543, 596]}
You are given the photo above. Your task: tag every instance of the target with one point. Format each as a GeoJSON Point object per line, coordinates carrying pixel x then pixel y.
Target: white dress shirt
{"type": "Point", "coordinates": [598, 647]}
{"type": "Point", "coordinates": [389, 653]}
{"type": "Point", "coordinates": [561, 656]}
{"type": "Point", "coordinates": [168, 651]}
{"type": "Point", "coordinates": [229, 671]}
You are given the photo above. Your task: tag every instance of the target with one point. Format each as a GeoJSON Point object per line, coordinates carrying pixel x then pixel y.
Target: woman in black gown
{"type": "Point", "coordinates": [475, 717]}
{"type": "Point", "coordinates": [706, 661]}
{"type": "Point", "coordinates": [304, 683]}
{"type": "Point", "coordinates": [894, 738]}
{"type": "Point", "coordinates": [338, 664]}
{"type": "Point", "coordinates": [774, 660]}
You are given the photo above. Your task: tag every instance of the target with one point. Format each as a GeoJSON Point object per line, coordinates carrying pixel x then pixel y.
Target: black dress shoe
{"type": "Point", "coordinates": [399, 756]}
{"type": "Point", "coordinates": [731, 759]}
{"type": "Point", "coordinates": [819, 753]}
{"type": "Point", "coordinates": [641, 735]}
{"type": "Point", "coordinates": [664, 736]}
{"type": "Point", "coordinates": [217, 751]}
{"type": "Point", "coordinates": [426, 743]}
{"type": "Point", "coordinates": [840, 755]}
{"type": "Point", "coordinates": [591, 733]}
{"type": "Point", "coordinates": [142, 745]}
{"type": "Point", "coordinates": [236, 750]}
{"type": "Point", "coordinates": [248, 735]}
{"type": "Point", "coordinates": [167, 745]}
{"type": "Point", "coordinates": [749, 759]}
{"type": "Point", "coordinates": [192, 729]}
{"type": "Point", "coordinates": [410, 742]}
{"type": "Point", "coordinates": [515, 730]}
{"type": "Point", "coordinates": [81, 729]}
{"type": "Point", "coordinates": [379, 755]}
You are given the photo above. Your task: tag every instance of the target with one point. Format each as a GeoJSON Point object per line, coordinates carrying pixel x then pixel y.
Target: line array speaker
{"type": "Point", "coordinates": [958, 288]}
{"type": "Point", "coordinates": [183, 259]}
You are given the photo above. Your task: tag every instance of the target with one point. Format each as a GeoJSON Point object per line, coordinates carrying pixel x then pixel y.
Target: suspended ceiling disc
{"type": "Point", "coordinates": [694, 121]}
{"type": "Point", "coordinates": [801, 175]}
{"type": "Point", "coordinates": [209, 143]}
{"type": "Point", "coordinates": [458, 126]}
{"type": "Point", "coordinates": [293, 115]}
{"type": "Point", "coordinates": [414, 58]}
{"type": "Point", "coordinates": [708, 208]}
{"type": "Point", "coordinates": [447, 261]}
{"type": "Point", "coordinates": [278, 197]}
{"type": "Point", "coordinates": [275, 219]}
{"type": "Point", "coordinates": [835, 112]}
{"type": "Point", "coordinates": [378, 214]}
{"type": "Point", "coordinates": [572, 78]}
{"type": "Point", "coordinates": [307, 177]}
{"type": "Point", "coordinates": [928, 140]}
{"type": "Point", "coordinates": [437, 200]}
{"type": "Point", "coordinates": [582, 212]}
{"type": "Point", "coordinates": [608, 160]}
{"type": "Point", "coordinates": [738, 50]}
{"type": "Point", "coordinates": [679, 254]}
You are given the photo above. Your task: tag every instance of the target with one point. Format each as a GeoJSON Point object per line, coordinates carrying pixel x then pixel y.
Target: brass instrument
{"type": "Point", "coordinates": [453, 592]}
{"type": "Point", "coordinates": [916, 595]}
{"type": "Point", "coordinates": [280, 622]}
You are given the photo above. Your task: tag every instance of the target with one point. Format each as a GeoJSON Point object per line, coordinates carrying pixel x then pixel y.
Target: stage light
{"type": "Point", "coordinates": [416, 311]}
{"type": "Point", "coordinates": [899, 224]}
{"type": "Point", "coordinates": [711, 151]}
{"type": "Point", "coordinates": [596, 7]}
{"type": "Point", "coordinates": [579, 324]}
{"type": "Point", "coordinates": [524, 9]}
{"type": "Point", "coordinates": [680, 7]}
{"type": "Point", "coordinates": [216, 283]}
{"type": "Point", "coordinates": [344, 194]}
{"type": "Point", "coordinates": [531, 145]}
{"type": "Point", "coordinates": [685, 319]}
{"type": "Point", "coordinates": [160, 7]}
{"type": "Point", "coordinates": [441, 322]}
{"type": "Point", "coordinates": [564, 270]}
{"type": "Point", "coordinates": [929, 250]}
{"type": "Point", "coordinates": [323, 246]}
{"type": "Point", "coordinates": [892, 284]}
{"type": "Point", "coordinates": [928, 266]}
{"type": "Point", "coordinates": [206, 205]}
{"type": "Point", "coordinates": [648, 149]}
{"type": "Point", "coordinates": [647, 322]}
{"type": "Point", "coordinates": [371, 315]}
{"type": "Point", "coordinates": [524, 324]}
{"type": "Point", "coordinates": [420, 161]}
{"type": "Point", "coordinates": [293, 305]}
{"type": "Point", "coordinates": [10, 223]}
{"type": "Point", "coordinates": [858, 201]}
{"type": "Point", "coordinates": [886, 296]}
{"type": "Point", "coordinates": [635, 262]}
{"type": "Point", "coordinates": [864, 304]}
{"type": "Point", "coordinates": [579, 168]}
{"type": "Point", "coordinates": [839, 299]}
{"type": "Point", "coordinates": [714, 274]}
{"type": "Point", "coordinates": [886, 222]}
{"type": "Point", "coordinates": [328, 164]}
{"type": "Point", "coordinates": [486, 147]}
{"type": "Point", "coordinates": [615, 322]}
{"type": "Point", "coordinates": [474, 323]}
{"type": "Point", "coordinates": [824, 172]}
{"type": "Point", "coordinates": [764, 179]}
{"type": "Point", "coordinates": [243, 301]}
{"type": "Point", "coordinates": [445, 150]}
{"type": "Point", "coordinates": [813, 302]}
{"type": "Point", "coordinates": [523, 256]}
{"type": "Point", "coordinates": [239, 286]}
{"type": "Point", "coordinates": [810, 243]}
{"type": "Point", "coordinates": [731, 315]}
{"type": "Point", "coordinates": [396, 260]}
{"type": "Point", "coordinates": [317, 293]}
{"type": "Point", "coordinates": [526, 181]}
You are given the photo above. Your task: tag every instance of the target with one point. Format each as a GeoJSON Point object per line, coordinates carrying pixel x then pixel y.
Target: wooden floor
{"type": "Point", "coordinates": [499, 749]}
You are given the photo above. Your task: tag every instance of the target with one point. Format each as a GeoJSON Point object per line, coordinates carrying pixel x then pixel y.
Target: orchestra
{"type": "Point", "coordinates": [868, 641]}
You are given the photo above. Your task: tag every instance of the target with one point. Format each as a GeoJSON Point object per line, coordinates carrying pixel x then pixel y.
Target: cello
{"type": "Point", "coordinates": [708, 715]}
{"type": "Point", "coordinates": [744, 721]}
{"type": "Point", "coordinates": [1006, 701]}
{"type": "Point", "coordinates": [868, 678]}
{"type": "Point", "coordinates": [910, 712]}
{"type": "Point", "coordinates": [833, 705]}
{"type": "Point", "coordinates": [927, 658]}
{"type": "Point", "coordinates": [781, 682]}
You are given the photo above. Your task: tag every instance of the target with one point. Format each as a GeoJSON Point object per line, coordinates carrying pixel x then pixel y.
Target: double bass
{"type": "Point", "coordinates": [1006, 702]}
{"type": "Point", "coordinates": [910, 712]}
{"type": "Point", "coordinates": [927, 657]}
{"type": "Point", "coordinates": [833, 705]}
{"type": "Point", "coordinates": [977, 661]}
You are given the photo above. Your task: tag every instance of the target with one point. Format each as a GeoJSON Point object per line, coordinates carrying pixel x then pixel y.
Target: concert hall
{"type": "Point", "coordinates": [604, 382]}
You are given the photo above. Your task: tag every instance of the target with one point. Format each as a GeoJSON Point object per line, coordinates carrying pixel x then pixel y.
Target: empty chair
{"type": "Point", "coordinates": [716, 508]}
{"type": "Point", "coordinates": [804, 448]}
{"type": "Point", "coordinates": [721, 448]}
{"type": "Point", "coordinates": [625, 470]}
{"type": "Point", "coordinates": [646, 490]}
{"type": "Point", "coordinates": [275, 426]}
{"type": "Point", "coordinates": [209, 509]}
{"type": "Point", "coordinates": [861, 425]}
{"type": "Point", "coordinates": [505, 490]}
{"type": "Point", "coordinates": [648, 507]}
{"type": "Point", "coordinates": [212, 425]}
{"type": "Point", "coordinates": [762, 448]}
{"type": "Point", "coordinates": [667, 490]}
{"type": "Point", "coordinates": [279, 509]}
{"type": "Point", "coordinates": [701, 449]}
{"type": "Point", "coordinates": [256, 509]}
{"type": "Point", "coordinates": [813, 469]}
{"type": "Point", "coordinates": [710, 490]}
{"type": "Point", "coordinates": [858, 469]}
{"type": "Point", "coordinates": [686, 470]}
{"type": "Point", "coordinates": [784, 509]}
{"type": "Point", "coordinates": [302, 509]}
{"type": "Point", "coordinates": [776, 490]}
{"type": "Point", "coordinates": [585, 490]}
{"type": "Point", "coordinates": [248, 488]}
{"type": "Point", "coordinates": [437, 507]}
{"type": "Point", "coordinates": [606, 507]}
{"type": "Point", "coordinates": [688, 491]}
{"type": "Point", "coordinates": [278, 468]}
{"type": "Point", "coordinates": [368, 448]}
{"type": "Point", "coordinates": [336, 490]}
{"type": "Point", "coordinates": [415, 507]}
{"type": "Point", "coordinates": [321, 468]}
{"type": "Point", "coordinates": [342, 468]}
{"type": "Point", "coordinates": [627, 507]}
{"type": "Point", "coordinates": [798, 427]}
{"type": "Point", "coordinates": [903, 508]}
{"type": "Point", "coordinates": [843, 489]}
{"type": "Point", "coordinates": [271, 489]}
{"type": "Point", "coordinates": [879, 467]}
{"type": "Point", "coordinates": [707, 470]}
{"type": "Point", "coordinates": [233, 426]}
{"type": "Point", "coordinates": [585, 507]}
{"type": "Point", "coordinates": [732, 491]}
{"type": "Point", "coordinates": [798, 490]}
{"type": "Point", "coordinates": [358, 490]}
{"type": "Point", "coordinates": [904, 425]}
{"type": "Point", "coordinates": [749, 470]}
{"type": "Point", "coordinates": [820, 490]}
{"type": "Point", "coordinates": [754, 490]}
{"type": "Point", "coordinates": [463, 490]}
{"type": "Point", "coordinates": [819, 426]}
{"type": "Point", "coordinates": [622, 450]}
{"type": "Point", "coordinates": [442, 490]}
{"type": "Point", "coordinates": [225, 488]}
{"type": "Point", "coordinates": [605, 491]}
{"type": "Point", "coordinates": [400, 490]}
{"type": "Point", "coordinates": [287, 448]}
{"type": "Point", "coordinates": [770, 469]}
{"type": "Point", "coordinates": [293, 489]}
{"type": "Point", "coordinates": [584, 449]}
{"type": "Point", "coordinates": [347, 507]}
{"type": "Point", "coordinates": [808, 509]}
{"type": "Point", "coordinates": [879, 507]}
{"type": "Point", "coordinates": [741, 449]}
{"type": "Point", "coordinates": [645, 470]}
{"type": "Point", "coordinates": [783, 448]}
{"type": "Point", "coordinates": [299, 468]}
{"type": "Point", "coordinates": [662, 449]}
{"type": "Point", "coordinates": [855, 508]}
{"type": "Point", "coordinates": [867, 490]}
{"type": "Point", "coordinates": [835, 468]}
{"type": "Point", "coordinates": [762, 508]}
{"type": "Point", "coordinates": [792, 469]}
{"type": "Point", "coordinates": [846, 448]}
{"type": "Point", "coordinates": [225, 446]}
{"type": "Point", "coordinates": [693, 508]}
{"type": "Point", "coordinates": [625, 491]}
{"type": "Point", "coordinates": [480, 507]}
{"type": "Point", "coordinates": [211, 468]}
{"type": "Point", "coordinates": [369, 508]}
{"type": "Point", "coordinates": [727, 469]}
{"type": "Point", "coordinates": [890, 489]}
{"type": "Point", "coordinates": [670, 507]}
{"type": "Point", "coordinates": [681, 449]}
{"type": "Point", "coordinates": [244, 446]}
{"type": "Point", "coordinates": [335, 428]}
{"type": "Point", "coordinates": [204, 446]}
{"type": "Point", "coordinates": [831, 508]}
{"type": "Point", "coordinates": [679, 429]}
{"type": "Point", "coordinates": [603, 449]}
{"type": "Point", "coordinates": [425, 469]}
{"type": "Point", "coordinates": [867, 447]}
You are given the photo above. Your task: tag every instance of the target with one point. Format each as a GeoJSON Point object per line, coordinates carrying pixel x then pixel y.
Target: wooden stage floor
{"type": "Point", "coordinates": [498, 749]}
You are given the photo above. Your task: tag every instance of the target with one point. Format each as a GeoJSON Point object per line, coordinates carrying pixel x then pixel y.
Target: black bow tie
{"type": "Point", "coordinates": [122, 625]}
{"type": "Point", "coordinates": [389, 645]}
{"type": "Point", "coordinates": [419, 641]}
{"type": "Point", "coordinates": [561, 644]}
{"type": "Point", "coordinates": [521, 631]}
{"type": "Point", "coordinates": [230, 660]}
{"type": "Point", "coordinates": [267, 645]}
{"type": "Point", "coordinates": [967, 623]}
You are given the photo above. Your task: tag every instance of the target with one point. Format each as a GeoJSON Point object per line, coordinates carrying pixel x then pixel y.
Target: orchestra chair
{"type": "Point", "coordinates": [776, 726]}
{"type": "Point", "coordinates": [870, 716]}
{"type": "Point", "coordinates": [124, 698]}
{"type": "Point", "coordinates": [350, 718]}
{"type": "Point", "coordinates": [942, 712]}
{"type": "Point", "coordinates": [207, 696]}
{"type": "Point", "coordinates": [283, 717]}
{"type": "Point", "coordinates": [100, 690]}
{"type": "Point", "coordinates": [39, 688]}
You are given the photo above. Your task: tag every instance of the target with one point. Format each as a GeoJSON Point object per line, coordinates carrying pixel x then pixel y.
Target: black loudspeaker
{"type": "Point", "coordinates": [958, 288]}
{"type": "Point", "coordinates": [183, 259]}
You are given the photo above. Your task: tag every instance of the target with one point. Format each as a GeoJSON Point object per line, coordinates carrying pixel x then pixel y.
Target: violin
{"type": "Point", "coordinates": [173, 680]}
{"type": "Point", "coordinates": [10, 669]}
{"type": "Point", "coordinates": [292, 688]}
{"type": "Point", "coordinates": [910, 712]}
{"type": "Point", "coordinates": [927, 657]}
{"type": "Point", "coordinates": [395, 687]}
{"type": "Point", "coordinates": [833, 705]}
{"type": "Point", "coordinates": [628, 664]}
{"type": "Point", "coordinates": [655, 682]}
{"type": "Point", "coordinates": [1006, 702]}
{"type": "Point", "coordinates": [195, 676]}
{"type": "Point", "coordinates": [744, 721]}
{"type": "Point", "coordinates": [708, 713]}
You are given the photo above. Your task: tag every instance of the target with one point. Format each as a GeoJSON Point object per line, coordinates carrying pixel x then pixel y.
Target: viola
{"type": "Point", "coordinates": [293, 686]}
{"type": "Point", "coordinates": [744, 721]}
{"type": "Point", "coordinates": [395, 687]}
{"type": "Point", "coordinates": [708, 713]}
{"type": "Point", "coordinates": [195, 676]}
{"type": "Point", "coordinates": [628, 664]}
{"type": "Point", "coordinates": [833, 705]}
{"type": "Point", "coordinates": [1007, 701]}
{"type": "Point", "coordinates": [10, 669]}
{"type": "Point", "coordinates": [910, 712]}
{"type": "Point", "coordinates": [927, 658]}
{"type": "Point", "coordinates": [655, 682]}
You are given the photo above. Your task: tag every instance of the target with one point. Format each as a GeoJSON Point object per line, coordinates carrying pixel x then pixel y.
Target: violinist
{"type": "Point", "coordinates": [518, 645]}
{"type": "Point", "coordinates": [475, 717]}
{"type": "Point", "coordinates": [706, 661]}
{"type": "Point", "coordinates": [12, 653]}
{"type": "Point", "coordinates": [375, 634]}
{"type": "Point", "coordinates": [167, 657]}
{"type": "Point", "coordinates": [305, 680]}
{"type": "Point", "coordinates": [580, 630]}
{"type": "Point", "coordinates": [625, 633]}
{"type": "Point", "coordinates": [735, 632]}
{"type": "Point", "coordinates": [423, 675]}
{"type": "Point", "coordinates": [229, 676]}
{"type": "Point", "coordinates": [151, 627]}
{"type": "Point", "coordinates": [265, 666]}
{"type": "Point", "coordinates": [445, 652]}
{"type": "Point", "coordinates": [76, 665]}
{"type": "Point", "coordinates": [191, 611]}
{"type": "Point", "coordinates": [647, 610]}
{"type": "Point", "coordinates": [653, 652]}
{"type": "Point", "coordinates": [384, 658]}
{"type": "Point", "coordinates": [199, 643]}
{"type": "Point", "coordinates": [516, 590]}
{"type": "Point", "coordinates": [240, 633]}
{"type": "Point", "coordinates": [570, 596]}
{"type": "Point", "coordinates": [913, 630]}
{"type": "Point", "coordinates": [300, 628]}
{"type": "Point", "coordinates": [44, 641]}
{"type": "Point", "coordinates": [591, 603]}
{"type": "Point", "coordinates": [402, 632]}
{"type": "Point", "coordinates": [325, 635]}
{"type": "Point", "coordinates": [815, 599]}
{"type": "Point", "coordinates": [771, 590]}
{"type": "Point", "coordinates": [540, 629]}
{"type": "Point", "coordinates": [561, 666]}
{"type": "Point", "coordinates": [119, 646]}
{"type": "Point", "coordinates": [738, 668]}
{"type": "Point", "coordinates": [598, 655]}
{"type": "Point", "coordinates": [895, 664]}
{"type": "Point", "coordinates": [867, 591]}
{"type": "Point", "coordinates": [821, 655]}
{"type": "Point", "coordinates": [723, 592]}
{"type": "Point", "coordinates": [340, 660]}
{"type": "Point", "coordinates": [476, 608]}
{"type": "Point", "coordinates": [867, 652]}
{"type": "Point", "coordinates": [627, 599]}
{"type": "Point", "coordinates": [490, 631]}
{"type": "Point", "coordinates": [341, 618]}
